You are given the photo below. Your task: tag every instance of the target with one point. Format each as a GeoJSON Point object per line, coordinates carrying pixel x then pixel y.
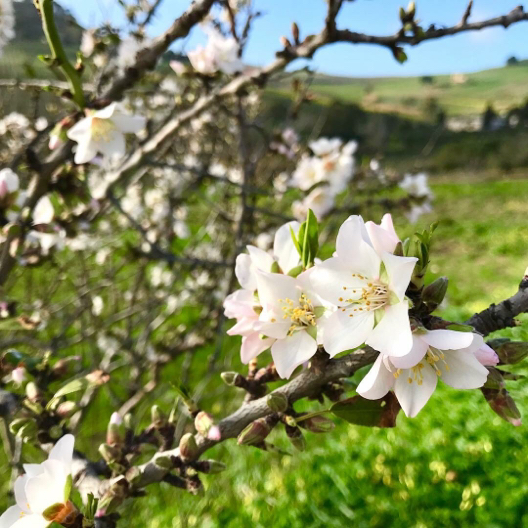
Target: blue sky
{"type": "Point", "coordinates": [461, 53]}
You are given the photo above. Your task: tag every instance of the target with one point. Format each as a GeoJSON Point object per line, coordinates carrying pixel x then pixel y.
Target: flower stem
{"type": "Point", "coordinates": [311, 415]}
{"type": "Point", "coordinates": [57, 50]}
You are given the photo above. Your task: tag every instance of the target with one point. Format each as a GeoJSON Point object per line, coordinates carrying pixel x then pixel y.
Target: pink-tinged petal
{"type": "Point", "coordinates": [278, 329]}
{"type": "Point", "coordinates": [283, 247]}
{"type": "Point", "coordinates": [332, 280]}
{"type": "Point", "coordinates": [392, 336]}
{"type": "Point", "coordinates": [273, 287]}
{"type": "Point", "coordinates": [43, 212]}
{"type": "Point", "coordinates": [129, 124]}
{"type": "Point", "coordinates": [448, 339]}
{"type": "Point", "coordinates": [411, 395]}
{"type": "Point", "coordinates": [378, 381]}
{"type": "Point", "coordinates": [342, 332]}
{"type": "Point", "coordinates": [10, 516]}
{"type": "Point", "coordinates": [291, 352]}
{"type": "Point", "coordinates": [31, 521]}
{"type": "Point", "coordinates": [239, 304]}
{"type": "Point", "coordinates": [261, 259]}
{"type": "Point", "coordinates": [462, 370]}
{"type": "Point", "coordinates": [63, 450]}
{"type": "Point", "coordinates": [253, 345]}
{"type": "Point", "coordinates": [383, 237]}
{"type": "Point", "coordinates": [486, 355]}
{"type": "Point", "coordinates": [417, 353]}
{"type": "Point", "coordinates": [399, 270]}
{"type": "Point", "coordinates": [245, 273]}
{"type": "Point", "coordinates": [243, 327]}
{"type": "Point", "coordinates": [351, 246]}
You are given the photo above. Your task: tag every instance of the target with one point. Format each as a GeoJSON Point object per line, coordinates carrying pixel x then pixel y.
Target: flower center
{"type": "Point", "coordinates": [102, 129]}
{"type": "Point", "coordinates": [367, 296]}
{"type": "Point", "coordinates": [432, 356]}
{"type": "Point", "coordinates": [301, 315]}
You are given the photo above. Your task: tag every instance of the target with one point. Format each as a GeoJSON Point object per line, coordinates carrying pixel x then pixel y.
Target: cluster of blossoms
{"type": "Point", "coordinates": [219, 54]}
{"type": "Point", "coordinates": [42, 493]}
{"type": "Point", "coordinates": [324, 175]}
{"type": "Point", "coordinates": [420, 194]}
{"type": "Point", "coordinates": [357, 297]}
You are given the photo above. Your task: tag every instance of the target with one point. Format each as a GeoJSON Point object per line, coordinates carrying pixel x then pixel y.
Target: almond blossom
{"type": "Point", "coordinates": [220, 54]}
{"type": "Point", "coordinates": [9, 183]}
{"type": "Point", "coordinates": [445, 354]}
{"type": "Point", "coordinates": [102, 131]}
{"type": "Point", "coordinates": [42, 493]}
{"type": "Point", "coordinates": [242, 304]}
{"type": "Point", "coordinates": [367, 283]}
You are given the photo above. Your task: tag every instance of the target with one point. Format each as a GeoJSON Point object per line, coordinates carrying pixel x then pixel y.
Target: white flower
{"type": "Point", "coordinates": [19, 375]}
{"type": "Point", "coordinates": [102, 131]}
{"type": "Point", "coordinates": [324, 146]}
{"type": "Point", "coordinates": [97, 305]}
{"type": "Point", "coordinates": [43, 212]}
{"type": "Point", "coordinates": [368, 284]}
{"type": "Point", "coordinates": [41, 487]}
{"type": "Point", "coordinates": [128, 50]}
{"type": "Point", "coordinates": [444, 354]}
{"type": "Point", "coordinates": [416, 211]}
{"type": "Point", "coordinates": [9, 182]}
{"type": "Point", "coordinates": [241, 304]}
{"type": "Point", "coordinates": [309, 171]}
{"type": "Point", "coordinates": [290, 316]}
{"type": "Point", "coordinates": [416, 185]}
{"type": "Point", "coordinates": [321, 201]}
{"type": "Point", "coordinates": [88, 42]}
{"type": "Point", "coordinates": [220, 53]}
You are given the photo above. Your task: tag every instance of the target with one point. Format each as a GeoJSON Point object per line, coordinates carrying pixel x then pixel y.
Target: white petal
{"type": "Point", "coordinates": [63, 450]}
{"type": "Point", "coordinates": [342, 332]}
{"type": "Point", "coordinates": [252, 346]}
{"type": "Point", "coordinates": [31, 521]}
{"type": "Point", "coordinates": [332, 280]}
{"type": "Point", "coordinates": [277, 330]}
{"type": "Point", "coordinates": [283, 247]}
{"type": "Point", "coordinates": [383, 237]}
{"type": "Point", "coordinates": [86, 151]}
{"type": "Point", "coordinates": [417, 353]}
{"type": "Point", "coordinates": [20, 491]}
{"type": "Point", "coordinates": [243, 327]}
{"type": "Point", "coordinates": [351, 246]}
{"type": "Point", "coordinates": [448, 339]}
{"type": "Point", "coordinates": [129, 124]}
{"type": "Point", "coordinates": [260, 258]}
{"type": "Point", "coordinates": [465, 370]}
{"type": "Point", "coordinates": [33, 470]}
{"type": "Point", "coordinates": [293, 351]}
{"type": "Point", "coordinates": [10, 516]}
{"type": "Point", "coordinates": [114, 147]}
{"type": "Point", "coordinates": [378, 381]}
{"type": "Point", "coordinates": [245, 273]}
{"type": "Point", "coordinates": [43, 491]}
{"type": "Point", "coordinates": [273, 287]}
{"type": "Point", "coordinates": [412, 396]}
{"type": "Point", "coordinates": [43, 212]}
{"type": "Point", "coordinates": [399, 270]}
{"type": "Point", "coordinates": [107, 112]}
{"type": "Point", "coordinates": [81, 130]}
{"type": "Point", "coordinates": [239, 304]}
{"type": "Point", "coordinates": [392, 336]}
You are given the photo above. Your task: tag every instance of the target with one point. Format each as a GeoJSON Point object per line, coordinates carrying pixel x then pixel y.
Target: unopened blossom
{"type": "Point", "coordinates": [290, 314]}
{"type": "Point", "coordinates": [9, 183]}
{"type": "Point", "coordinates": [242, 304]}
{"type": "Point", "coordinates": [97, 305]}
{"type": "Point", "coordinates": [102, 131]}
{"type": "Point", "coordinates": [367, 283]}
{"type": "Point", "coordinates": [438, 354]}
{"type": "Point", "coordinates": [416, 185]}
{"type": "Point", "coordinates": [42, 493]}
{"type": "Point", "coordinates": [18, 375]}
{"type": "Point", "coordinates": [88, 42]}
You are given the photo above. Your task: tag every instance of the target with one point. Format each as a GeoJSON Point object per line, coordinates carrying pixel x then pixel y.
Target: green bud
{"type": "Point", "coordinates": [433, 294]}
{"type": "Point", "coordinates": [164, 462]}
{"type": "Point", "coordinates": [158, 416]}
{"type": "Point", "coordinates": [55, 432]}
{"type": "Point", "coordinates": [318, 424]}
{"type": "Point", "coordinates": [188, 447]}
{"type": "Point", "coordinates": [277, 401]}
{"type": "Point", "coordinates": [411, 9]}
{"type": "Point", "coordinates": [133, 475]}
{"type": "Point", "coordinates": [290, 420]}
{"type": "Point", "coordinates": [203, 422]}
{"type": "Point", "coordinates": [109, 453]}
{"type": "Point", "coordinates": [512, 352]}
{"type": "Point", "coordinates": [296, 438]}
{"type": "Point", "coordinates": [254, 433]}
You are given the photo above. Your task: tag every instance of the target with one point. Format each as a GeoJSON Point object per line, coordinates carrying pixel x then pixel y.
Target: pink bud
{"type": "Point", "coordinates": [116, 419]}
{"type": "Point", "coordinates": [3, 189]}
{"type": "Point", "coordinates": [214, 433]}
{"type": "Point", "coordinates": [487, 356]}
{"type": "Point", "coordinates": [19, 375]}
{"type": "Point", "coordinates": [178, 67]}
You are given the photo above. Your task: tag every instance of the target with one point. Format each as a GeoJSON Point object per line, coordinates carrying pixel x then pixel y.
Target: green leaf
{"type": "Point", "coordinates": [369, 413]}
{"type": "Point", "coordinates": [295, 241]}
{"type": "Point", "coordinates": [309, 238]}
{"type": "Point", "coordinates": [512, 352]}
{"type": "Point", "coordinates": [75, 385]}
{"type": "Point", "coordinates": [68, 488]}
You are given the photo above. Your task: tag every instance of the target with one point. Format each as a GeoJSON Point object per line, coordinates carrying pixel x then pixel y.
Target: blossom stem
{"type": "Point", "coordinates": [57, 51]}
{"type": "Point", "coordinates": [311, 415]}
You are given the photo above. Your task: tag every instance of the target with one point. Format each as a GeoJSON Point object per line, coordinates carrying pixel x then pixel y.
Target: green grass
{"type": "Point", "coordinates": [456, 464]}
{"type": "Point", "coordinates": [503, 87]}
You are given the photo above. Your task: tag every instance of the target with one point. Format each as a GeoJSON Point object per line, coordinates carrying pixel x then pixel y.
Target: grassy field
{"type": "Point", "coordinates": [503, 87]}
{"type": "Point", "coordinates": [456, 464]}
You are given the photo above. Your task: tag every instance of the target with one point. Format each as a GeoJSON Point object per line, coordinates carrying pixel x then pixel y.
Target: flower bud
{"type": "Point", "coordinates": [295, 32]}
{"type": "Point", "coordinates": [115, 430]}
{"type": "Point", "coordinates": [188, 447]}
{"type": "Point", "coordinates": [285, 42]}
{"type": "Point", "coordinates": [487, 356]}
{"type": "Point", "coordinates": [318, 424]}
{"type": "Point", "coordinates": [133, 474]}
{"type": "Point", "coordinates": [109, 453]}
{"type": "Point", "coordinates": [19, 375]}
{"type": "Point", "coordinates": [158, 416]}
{"type": "Point", "coordinates": [56, 432]}
{"type": "Point", "coordinates": [502, 403]}
{"type": "Point", "coordinates": [66, 409]}
{"type": "Point", "coordinates": [33, 392]}
{"type": "Point", "coordinates": [512, 352]}
{"type": "Point", "coordinates": [229, 378]}
{"type": "Point", "coordinates": [210, 466]}
{"type": "Point", "coordinates": [203, 422]}
{"type": "Point", "coordinates": [255, 433]}
{"type": "Point", "coordinates": [296, 438]}
{"type": "Point", "coordinates": [277, 401]}
{"type": "Point", "coordinates": [433, 294]}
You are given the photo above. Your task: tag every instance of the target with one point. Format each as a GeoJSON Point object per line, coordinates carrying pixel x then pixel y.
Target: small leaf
{"type": "Point", "coordinates": [369, 413]}
{"type": "Point", "coordinates": [295, 241]}
{"type": "Point", "coordinates": [502, 404]}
